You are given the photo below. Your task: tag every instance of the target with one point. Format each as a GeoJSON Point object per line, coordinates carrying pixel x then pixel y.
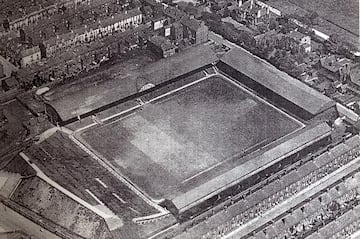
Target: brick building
{"type": "Point", "coordinates": [194, 30]}
{"type": "Point", "coordinates": [120, 22]}
{"type": "Point", "coordinates": [17, 13]}
{"type": "Point", "coordinates": [301, 39]}
{"type": "Point", "coordinates": [30, 56]}
{"type": "Point", "coordinates": [161, 46]}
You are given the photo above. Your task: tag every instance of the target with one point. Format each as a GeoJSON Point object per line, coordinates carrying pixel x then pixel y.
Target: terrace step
{"type": "Point", "coordinates": [8, 182]}
{"type": "Point", "coordinates": [113, 221]}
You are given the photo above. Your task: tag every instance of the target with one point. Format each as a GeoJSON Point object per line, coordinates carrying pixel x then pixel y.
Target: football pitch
{"type": "Point", "coordinates": [174, 140]}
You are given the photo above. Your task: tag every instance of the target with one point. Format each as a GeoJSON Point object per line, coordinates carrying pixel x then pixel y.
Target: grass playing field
{"type": "Point", "coordinates": [175, 139]}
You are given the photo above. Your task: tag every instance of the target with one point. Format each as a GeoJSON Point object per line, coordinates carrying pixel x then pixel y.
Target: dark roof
{"type": "Point", "coordinates": [11, 81]}
{"type": "Point", "coordinates": [162, 42]}
{"type": "Point", "coordinates": [277, 81]}
{"type": "Point", "coordinates": [355, 74]}
{"type": "Point", "coordinates": [214, 186]}
{"type": "Point", "coordinates": [20, 9]}
{"type": "Point", "coordinates": [152, 3]}
{"type": "Point", "coordinates": [30, 51]}
{"type": "Point", "coordinates": [192, 23]}
{"type": "Point", "coordinates": [71, 34]}
{"type": "Point", "coordinates": [297, 36]}
{"type": "Point", "coordinates": [174, 13]}
{"type": "Point", "coordinates": [72, 100]}
{"type": "Point", "coordinates": [251, 6]}
{"type": "Point", "coordinates": [333, 64]}
{"type": "Point", "coordinates": [180, 63]}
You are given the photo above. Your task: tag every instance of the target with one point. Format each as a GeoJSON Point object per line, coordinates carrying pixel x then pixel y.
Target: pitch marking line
{"type": "Point", "coordinates": [134, 210]}
{"type": "Point", "coordinates": [93, 196]}
{"type": "Point", "coordinates": [228, 78]}
{"type": "Point", "coordinates": [101, 182]}
{"type": "Point", "coordinates": [119, 198]}
{"type": "Point", "coordinates": [223, 161]}
{"type": "Point", "coordinates": [180, 88]}
{"type": "Point", "coordinates": [99, 121]}
{"type": "Point", "coordinates": [154, 99]}
{"type": "Point", "coordinates": [253, 146]}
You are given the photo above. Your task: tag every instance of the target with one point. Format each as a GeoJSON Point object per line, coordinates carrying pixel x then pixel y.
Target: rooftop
{"type": "Point", "coordinates": [192, 23]}
{"type": "Point", "coordinates": [108, 92]}
{"type": "Point", "coordinates": [82, 50]}
{"type": "Point", "coordinates": [279, 82]}
{"type": "Point", "coordinates": [71, 34]}
{"type": "Point", "coordinates": [333, 64]}
{"type": "Point", "coordinates": [174, 13]}
{"type": "Point", "coordinates": [14, 10]}
{"type": "Point", "coordinates": [30, 51]}
{"type": "Point", "coordinates": [297, 36]}
{"type": "Point", "coordinates": [355, 74]}
{"type": "Point", "coordinates": [162, 42]}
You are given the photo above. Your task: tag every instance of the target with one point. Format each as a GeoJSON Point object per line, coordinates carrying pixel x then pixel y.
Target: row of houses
{"type": "Point", "coordinates": [16, 15]}
{"type": "Point", "coordinates": [119, 23]}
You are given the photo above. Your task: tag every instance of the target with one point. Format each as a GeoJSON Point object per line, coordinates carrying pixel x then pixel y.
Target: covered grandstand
{"type": "Point", "coordinates": [94, 98]}
{"type": "Point", "coordinates": [273, 157]}
{"type": "Point", "coordinates": [273, 84]}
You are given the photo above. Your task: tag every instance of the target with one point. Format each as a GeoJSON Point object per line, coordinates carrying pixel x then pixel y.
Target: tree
{"type": "Point", "coordinates": [313, 17]}
{"type": "Point", "coordinates": [273, 24]}
{"type": "Point", "coordinates": [6, 24]}
{"type": "Point", "coordinates": [22, 35]}
{"type": "Point", "coordinates": [334, 38]}
{"type": "Point", "coordinates": [4, 85]}
{"type": "Point", "coordinates": [3, 135]}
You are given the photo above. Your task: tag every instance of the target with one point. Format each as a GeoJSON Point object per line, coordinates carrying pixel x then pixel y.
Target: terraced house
{"type": "Point", "coordinates": [88, 33]}
{"type": "Point", "coordinates": [17, 14]}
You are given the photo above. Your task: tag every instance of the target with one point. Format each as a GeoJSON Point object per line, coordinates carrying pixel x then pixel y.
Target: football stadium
{"type": "Point", "coordinates": [179, 140]}
{"type": "Point", "coordinates": [202, 132]}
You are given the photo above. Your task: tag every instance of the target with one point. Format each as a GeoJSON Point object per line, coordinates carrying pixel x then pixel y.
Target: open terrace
{"type": "Point", "coordinates": [80, 174]}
